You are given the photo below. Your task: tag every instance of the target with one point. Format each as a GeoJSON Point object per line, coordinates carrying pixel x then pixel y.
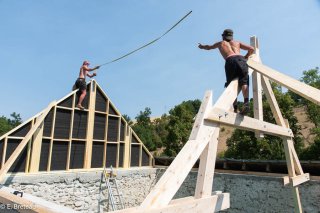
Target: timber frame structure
{"type": "Point", "coordinates": [203, 143]}
{"type": "Point", "coordinates": [64, 138]}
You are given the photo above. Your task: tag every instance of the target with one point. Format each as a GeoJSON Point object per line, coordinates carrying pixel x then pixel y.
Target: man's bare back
{"type": "Point", "coordinates": [229, 48]}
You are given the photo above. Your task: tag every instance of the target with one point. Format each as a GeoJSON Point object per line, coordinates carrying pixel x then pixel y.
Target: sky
{"type": "Point", "coordinates": [43, 44]}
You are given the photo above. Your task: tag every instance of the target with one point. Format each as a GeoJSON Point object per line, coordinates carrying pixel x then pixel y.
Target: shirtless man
{"type": "Point", "coordinates": [81, 81]}
{"type": "Point", "coordinates": [236, 64]}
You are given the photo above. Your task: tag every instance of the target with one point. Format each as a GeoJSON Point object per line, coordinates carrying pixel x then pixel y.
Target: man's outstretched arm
{"type": "Point", "coordinates": [208, 47]}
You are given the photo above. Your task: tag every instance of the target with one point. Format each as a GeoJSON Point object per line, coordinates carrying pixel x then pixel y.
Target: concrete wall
{"type": "Point", "coordinates": [248, 193]}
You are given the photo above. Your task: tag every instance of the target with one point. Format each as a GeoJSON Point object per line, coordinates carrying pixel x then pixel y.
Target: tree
{"type": "Point", "coordinates": [180, 123]}
{"type": "Point", "coordinates": [312, 78]}
{"type": "Point", "coordinates": [128, 119]}
{"type": "Point", "coordinates": [146, 130]}
{"type": "Point", "coordinates": [6, 124]}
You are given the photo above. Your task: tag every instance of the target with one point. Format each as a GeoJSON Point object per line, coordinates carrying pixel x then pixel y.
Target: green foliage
{"type": "Point", "coordinates": [6, 124]}
{"type": "Point", "coordinates": [128, 119]}
{"type": "Point", "coordinates": [146, 130]}
{"type": "Point", "coordinates": [313, 151]}
{"type": "Point", "coordinates": [180, 125]}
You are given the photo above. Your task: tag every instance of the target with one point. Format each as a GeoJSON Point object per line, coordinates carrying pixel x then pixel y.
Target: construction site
{"type": "Point", "coordinates": [65, 159]}
{"type": "Point", "coordinates": [84, 156]}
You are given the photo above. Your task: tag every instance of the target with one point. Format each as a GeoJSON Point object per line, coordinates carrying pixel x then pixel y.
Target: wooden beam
{"type": "Point", "coordinates": [297, 201]}
{"type": "Point", "coordinates": [304, 90]}
{"type": "Point", "coordinates": [90, 125]}
{"type": "Point", "coordinates": [36, 150]}
{"type": "Point", "coordinates": [188, 205]}
{"type": "Point", "coordinates": [24, 142]}
{"type": "Point", "coordinates": [247, 123]}
{"type": "Point", "coordinates": [126, 154]}
{"type": "Point", "coordinates": [256, 86]}
{"type": "Point", "coordinates": [297, 180]}
{"type": "Point", "coordinates": [175, 174]}
{"type": "Point", "coordinates": [206, 167]}
{"type": "Point", "coordinates": [28, 203]}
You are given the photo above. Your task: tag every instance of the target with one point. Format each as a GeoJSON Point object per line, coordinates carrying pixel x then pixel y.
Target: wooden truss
{"type": "Point", "coordinates": [62, 137]}
{"type": "Point", "coordinates": [203, 143]}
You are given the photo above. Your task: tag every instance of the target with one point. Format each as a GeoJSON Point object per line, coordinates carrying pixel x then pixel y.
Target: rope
{"type": "Point", "coordinates": [151, 42]}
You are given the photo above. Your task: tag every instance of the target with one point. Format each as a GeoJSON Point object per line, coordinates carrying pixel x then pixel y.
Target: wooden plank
{"type": "Point", "coordinates": [272, 102]}
{"type": "Point", "coordinates": [247, 123]}
{"type": "Point", "coordinates": [51, 140]}
{"type": "Point", "coordinates": [126, 147]}
{"type": "Point", "coordinates": [297, 180]}
{"type": "Point", "coordinates": [90, 126]}
{"type": "Point", "coordinates": [10, 201]}
{"type": "Point", "coordinates": [24, 142]}
{"type": "Point", "coordinates": [257, 100]}
{"type": "Point", "coordinates": [206, 167]}
{"type": "Point", "coordinates": [28, 203]}
{"type": "Point", "coordinates": [297, 201]}
{"type": "Point", "coordinates": [4, 151]}
{"type": "Point", "coordinates": [188, 205]}
{"type": "Point", "coordinates": [288, 155]}
{"type": "Point", "coordinates": [304, 90]}
{"type": "Point", "coordinates": [36, 150]}
{"type": "Point", "coordinates": [174, 176]}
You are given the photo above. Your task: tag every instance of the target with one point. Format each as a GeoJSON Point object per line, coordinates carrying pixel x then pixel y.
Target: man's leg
{"type": "Point", "coordinates": [245, 92]}
{"type": "Point", "coordinates": [81, 98]}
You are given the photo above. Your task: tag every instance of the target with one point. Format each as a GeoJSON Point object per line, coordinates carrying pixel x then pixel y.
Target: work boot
{"type": "Point", "coordinates": [245, 109]}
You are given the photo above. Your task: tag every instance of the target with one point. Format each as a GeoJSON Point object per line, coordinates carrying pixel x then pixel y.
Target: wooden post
{"type": "Point", "coordinates": [36, 150]}
{"type": "Point", "coordinates": [256, 86]}
{"type": "Point", "coordinates": [90, 125]}
{"type": "Point", "coordinates": [126, 160]}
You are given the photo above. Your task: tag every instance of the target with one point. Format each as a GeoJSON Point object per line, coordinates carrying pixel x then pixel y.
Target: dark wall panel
{"type": "Point", "coordinates": [77, 154]}
{"type": "Point", "coordinates": [62, 124]}
{"type": "Point", "coordinates": [99, 126]}
{"type": "Point", "coordinates": [21, 132]}
{"type": "Point", "coordinates": [112, 111]}
{"type": "Point", "coordinates": [145, 158]}
{"type": "Point", "coordinates": [101, 102]}
{"type": "Point", "coordinates": [59, 155]}
{"type": "Point", "coordinates": [80, 124]}
{"type": "Point", "coordinates": [122, 130]}
{"type": "Point", "coordinates": [19, 164]}
{"type": "Point", "coordinates": [97, 155]}
{"type": "Point", "coordinates": [67, 102]}
{"type": "Point", "coordinates": [48, 124]}
{"type": "Point", "coordinates": [113, 128]}
{"type": "Point", "coordinates": [1, 150]}
{"type": "Point", "coordinates": [135, 155]}
{"type": "Point", "coordinates": [111, 158]}
{"type": "Point", "coordinates": [121, 154]}
{"type": "Point", "coordinates": [134, 139]}
{"type": "Point", "coordinates": [44, 155]}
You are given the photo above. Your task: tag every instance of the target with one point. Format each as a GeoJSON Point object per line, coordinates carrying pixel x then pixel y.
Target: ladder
{"type": "Point", "coordinates": [109, 182]}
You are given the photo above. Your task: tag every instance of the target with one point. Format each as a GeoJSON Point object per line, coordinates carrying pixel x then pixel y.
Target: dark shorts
{"type": "Point", "coordinates": [81, 84]}
{"type": "Point", "coordinates": [236, 67]}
